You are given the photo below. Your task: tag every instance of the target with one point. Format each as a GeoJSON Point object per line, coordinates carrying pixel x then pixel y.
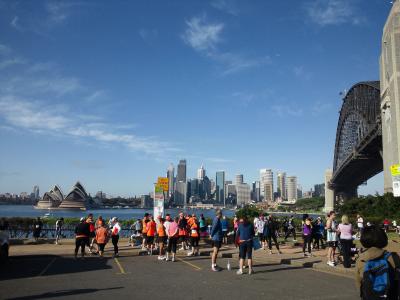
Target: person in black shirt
{"type": "Point", "coordinates": [270, 230]}
{"type": "Point", "coordinates": [82, 233]}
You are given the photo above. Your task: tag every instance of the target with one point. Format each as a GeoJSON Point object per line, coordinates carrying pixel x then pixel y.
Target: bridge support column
{"type": "Point", "coordinates": [329, 192]}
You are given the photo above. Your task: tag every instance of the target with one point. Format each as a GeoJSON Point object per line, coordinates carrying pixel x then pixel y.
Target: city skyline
{"type": "Point", "coordinates": [97, 116]}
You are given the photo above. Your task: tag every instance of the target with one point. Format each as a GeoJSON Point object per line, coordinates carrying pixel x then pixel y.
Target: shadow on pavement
{"type": "Point", "coordinates": [63, 293]}
{"type": "Point", "coordinates": [40, 266]}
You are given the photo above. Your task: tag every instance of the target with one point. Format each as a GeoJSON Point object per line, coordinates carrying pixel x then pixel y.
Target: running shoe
{"type": "Point", "coordinates": [251, 271]}
{"type": "Point", "coordinates": [239, 272]}
{"type": "Point", "coordinates": [173, 259]}
{"type": "Point", "coordinates": [215, 269]}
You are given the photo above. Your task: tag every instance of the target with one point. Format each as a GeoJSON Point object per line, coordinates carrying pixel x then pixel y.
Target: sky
{"type": "Point", "coordinates": [111, 92]}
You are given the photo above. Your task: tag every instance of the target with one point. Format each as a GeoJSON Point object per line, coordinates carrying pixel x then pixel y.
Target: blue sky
{"type": "Point", "coordinates": [111, 92]}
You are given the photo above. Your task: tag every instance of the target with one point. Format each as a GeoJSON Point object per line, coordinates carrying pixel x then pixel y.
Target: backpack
{"type": "Point", "coordinates": [378, 279]}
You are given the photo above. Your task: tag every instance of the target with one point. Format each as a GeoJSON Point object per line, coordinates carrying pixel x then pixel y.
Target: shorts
{"type": "Point", "coordinates": [101, 247]}
{"type": "Point", "coordinates": [246, 249]}
{"type": "Point", "coordinates": [194, 241]}
{"type": "Point", "coordinates": [225, 233]}
{"type": "Point", "coordinates": [262, 237]}
{"type": "Point", "coordinates": [216, 244]}
{"type": "Point", "coordinates": [182, 238]}
{"type": "Point", "coordinates": [332, 244]}
{"type": "Point", "coordinates": [150, 239]}
{"type": "Point", "coordinates": [161, 239]}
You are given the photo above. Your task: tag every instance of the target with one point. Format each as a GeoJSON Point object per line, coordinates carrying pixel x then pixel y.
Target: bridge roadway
{"type": "Point", "coordinates": [59, 276]}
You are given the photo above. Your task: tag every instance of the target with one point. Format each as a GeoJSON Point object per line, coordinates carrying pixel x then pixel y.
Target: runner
{"type": "Point", "coordinates": [151, 232]}
{"type": "Point", "coordinates": [271, 231]}
{"type": "Point", "coordinates": [203, 226]}
{"type": "Point", "coordinates": [245, 233]}
{"type": "Point", "coordinates": [37, 228]}
{"type": "Point", "coordinates": [216, 237]}
{"type": "Point", "coordinates": [144, 230]}
{"type": "Point", "coordinates": [307, 237]}
{"type": "Point", "coordinates": [259, 230]}
{"type": "Point", "coordinates": [115, 235]}
{"type": "Point", "coordinates": [224, 224]}
{"type": "Point", "coordinates": [59, 225]}
{"type": "Point", "coordinates": [318, 233]}
{"type": "Point", "coordinates": [331, 238]}
{"type": "Point", "coordinates": [182, 232]}
{"type": "Point", "coordinates": [92, 230]}
{"type": "Point", "coordinates": [82, 232]}
{"type": "Point", "coordinates": [172, 238]}
{"type": "Point", "coordinates": [194, 237]}
{"type": "Point", "coordinates": [235, 228]}
{"type": "Point", "coordinates": [291, 229]}
{"type": "Point", "coordinates": [99, 222]}
{"type": "Point", "coordinates": [161, 238]}
{"type": "Point", "coordinates": [101, 237]}
{"type": "Point", "coordinates": [360, 225]}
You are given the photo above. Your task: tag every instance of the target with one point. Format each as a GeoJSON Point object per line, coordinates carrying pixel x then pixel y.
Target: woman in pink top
{"type": "Point", "coordinates": [172, 238]}
{"type": "Point", "coordinates": [346, 240]}
{"type": "Point", "coordinates": [235, 228]}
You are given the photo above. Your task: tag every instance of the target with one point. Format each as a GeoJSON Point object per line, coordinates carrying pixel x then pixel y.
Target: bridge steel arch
{"type": "Point", "coordinates": [358, 146]}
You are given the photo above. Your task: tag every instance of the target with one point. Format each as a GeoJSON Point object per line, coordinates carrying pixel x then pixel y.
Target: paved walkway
{"type": "Point", "coordinates": [48, 271]}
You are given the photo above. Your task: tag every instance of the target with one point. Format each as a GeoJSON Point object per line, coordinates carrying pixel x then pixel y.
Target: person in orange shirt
{"type": "Point", "coordinates": [101, 238]}
{"type": "Point", "coordinates": [151, 232]}
{"type": "Point", "coordinates": [194, 236]}
{"type": "Point", "coordinates": [161, 238]}
{"type": "Point", "coordinates": [144, 230]}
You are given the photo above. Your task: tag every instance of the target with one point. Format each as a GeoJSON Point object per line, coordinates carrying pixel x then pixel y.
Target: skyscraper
{"type": "Point", "coordinates": [239, 179]}
{"type": "Point", "coordinates": [181, 172]}
{"type": "Point", "coordinates": [201, 173]}
{"type": "Point", "coordinates": [268, 192]}
{"type": "Point", "coordinates": [180, 196]}
{"type": "Point", "coordinates": [281, 185]}
{"type": "Point", "coordinates": [291, 184]}
{"type": "Point", "coordinates": [220, 187]}
{"type": "Point", "coordinates": [266, 177]}
{"type": "Point", "coordinates": [255, 193]}
{"type": "Point", "coordinates": [171, 179]}
{"type": "Point", "coordinates": [36, 192]}
{"type": "Point", "coordinates": [242, 194]}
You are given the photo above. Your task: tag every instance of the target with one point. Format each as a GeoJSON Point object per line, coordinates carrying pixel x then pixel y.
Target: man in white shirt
{"type": "Point", "coordinates": [360, 224]}
{"type": "Point", "coordinates": [259, 230]}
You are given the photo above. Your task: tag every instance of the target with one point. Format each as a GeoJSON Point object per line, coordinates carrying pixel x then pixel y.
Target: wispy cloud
{"type": "Point", "coordinates": [284, 110]}
{"type": "Point", "coordinates": [301, 72]}
{"type": "Point", "coordinates": [35, 101]}
{"type": "Point", "coordinates": [11, 62]}
{"type": "Point", "coordinates": [4, 50]}
{"type": "Point", "coordinates": [88, 164]}
{"type": "Point", "coordinates": [148, 34]}
{"type": "Point", "coordinates": [15, 23]}
{"type": "Point", "coordinates": [227, 6]}
{"type": "Point", "coordinates": [319, 108]}
{"type": "Point", "coordinates": [243, 99]}
{"type": "Point", "coordinates": [204, 37]}
{"type": "Point", "coordinates": [333, 12]}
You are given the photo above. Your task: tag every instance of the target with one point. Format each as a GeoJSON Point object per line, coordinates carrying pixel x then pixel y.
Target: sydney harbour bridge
{"type": "Point", "coordinates": [358, 147]}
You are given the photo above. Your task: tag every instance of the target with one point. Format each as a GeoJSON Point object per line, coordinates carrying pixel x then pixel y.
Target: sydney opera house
{"type": "Point", "coordinates": [54, 199]}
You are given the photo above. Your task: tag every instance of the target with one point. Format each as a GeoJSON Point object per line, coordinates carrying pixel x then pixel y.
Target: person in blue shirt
{"type": "Point", "coordinates": [216, 238]}
{"type": "Point", "coordinates": [245, 233]}
{"type": "Point", "coordinates": [318, 233]}
{"type": "Point", "coordinates": [224, 224]}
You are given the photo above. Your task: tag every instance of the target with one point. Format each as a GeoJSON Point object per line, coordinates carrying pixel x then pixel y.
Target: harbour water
{"type": "Point", "coordinates": [121, 213]}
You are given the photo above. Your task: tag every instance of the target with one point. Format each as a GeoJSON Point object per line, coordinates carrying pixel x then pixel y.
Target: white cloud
{"type": "Point", "coordinates": [10, 62]}
{"type": "Point", "coordinates": [148, 34]}
{"type": "Point", "coordinates": [319, 108]}
{"type": "Point", "coordinates": [300, 71]}
{"type": "Point", "coordinates": [227, 6]}
{"type": "Point", "coordinates": [4, 50]}
{"type": "Point", "coordinates": [202, 36]}
{"type": "Point", "coordinates": [333, 12]}
{"type": "Point", "coordinates": [15, 23]}
{"type": "Point", "coordinates": [284, 110]}
{"type": "Point", "coordinates": [235, 63]}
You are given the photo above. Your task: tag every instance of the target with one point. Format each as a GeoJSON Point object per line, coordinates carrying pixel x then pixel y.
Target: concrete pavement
{"type": "Point", "coordinates": [49, 272]}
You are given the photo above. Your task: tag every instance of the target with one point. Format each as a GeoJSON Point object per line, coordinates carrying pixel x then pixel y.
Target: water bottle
{"type": "Point", "coordinates": [228, 265]}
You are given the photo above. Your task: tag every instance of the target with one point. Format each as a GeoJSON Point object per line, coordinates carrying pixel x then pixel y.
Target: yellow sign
{"type": "Point", "coordinates": [159, 189]}
{"type": "Point", "coordinates": [163, 182]}
{"type": "Point", "coordinates": [395, 170]}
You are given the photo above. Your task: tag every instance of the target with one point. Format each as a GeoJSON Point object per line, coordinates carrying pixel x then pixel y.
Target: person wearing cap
{"type": "Point", "coordinates": [82, 233]}
{"type": "Point", "coordinates": [216, 237]}
{"type": "Point", "coordinates": [116, 228]}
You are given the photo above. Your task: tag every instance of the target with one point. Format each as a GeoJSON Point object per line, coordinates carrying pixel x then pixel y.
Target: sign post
{"type": "Point", "coordinates": [395, 170]}
{"type": "Point", "coordinates": [158, 209]}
